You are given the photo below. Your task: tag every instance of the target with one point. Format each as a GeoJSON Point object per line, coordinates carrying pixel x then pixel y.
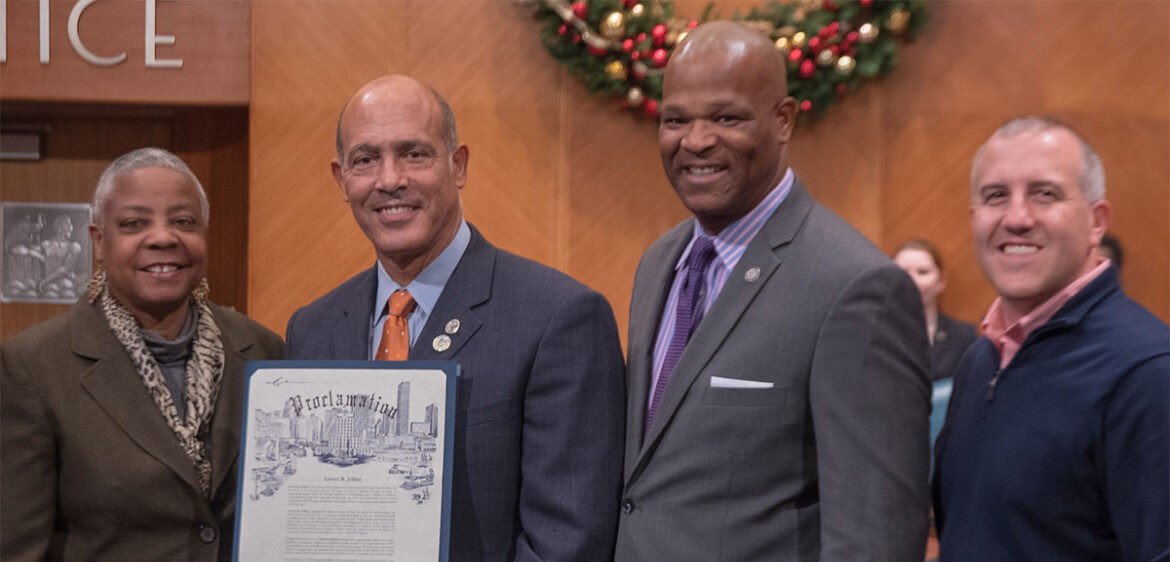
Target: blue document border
{"type": "Point", "coordinates": [449, 368]}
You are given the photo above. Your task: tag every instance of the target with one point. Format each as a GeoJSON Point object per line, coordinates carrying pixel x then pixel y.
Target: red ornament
{"type": "Point", "coordinates": [629, 3]}
{"type": "Point", "coordinates": [651, 108]}
{"type": "Point", "coordinates": [692, 24]}
{"type": "Point", "coordinates": [659, 32]}
{"type": "Point", "coordinates": [641, 37]}
{"type": "Point", "coordinates": [576, 38]}
{"type": "Point", "coordinates": [627, 45]}
{"type": "Point", "coordinates": [563, 29]}
{"type": "Point", "coordinates": [795, 55]}
{"type": "Point", "coordinates": [635, 55]}
{"type": "Point", "coordinates": [834, 27]}
{"type": "Point", "coordinates": [851, 37]}
{"type": "Point", "coordinates": [866, 3]}
{"type": "Point", "coordinates": [830, 6]}
{"type": "Point", "coordinates": [807, 67]}
{"type": "Point", "coordinates": [836, 50]}
{"type": "Point", "coordinates": [814, 45]}
{"type": "Point", "coordinates": [658, 58]}
{"type": "Point", "coordinates": [598, 51]}
{"type": "Point", "coordinates": [805, 105]}
{"type": "Point", "coordinates": [580, 9]}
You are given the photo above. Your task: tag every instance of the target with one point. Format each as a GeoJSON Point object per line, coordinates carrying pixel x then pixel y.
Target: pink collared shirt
{"type": "Point", "coordinates": [1008, 339]}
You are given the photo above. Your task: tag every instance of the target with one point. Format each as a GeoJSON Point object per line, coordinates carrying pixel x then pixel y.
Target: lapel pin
{"type": "Point", "coordinates": [441, 343]}
{"type": "Point", "coordinates": [751, 274]}
{"type": "Point", "coordinates": [452, 326]}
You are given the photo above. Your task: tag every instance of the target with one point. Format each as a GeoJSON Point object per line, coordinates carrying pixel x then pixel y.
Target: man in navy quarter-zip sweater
{"type": "Point", "coordinates": [1057, 439]}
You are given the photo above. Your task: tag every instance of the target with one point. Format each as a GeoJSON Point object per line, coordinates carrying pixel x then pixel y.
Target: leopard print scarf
{"type": "Point", "coordinates": [204, 370]}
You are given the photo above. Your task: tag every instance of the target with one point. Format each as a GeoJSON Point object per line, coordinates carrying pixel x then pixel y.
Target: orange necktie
{"type": "Point", "coordinates": [395, 345]}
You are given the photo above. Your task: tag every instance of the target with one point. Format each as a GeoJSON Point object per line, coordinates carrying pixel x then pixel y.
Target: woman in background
{"type": "Point", "coordinates": [949, 337]}
{"type": "Point", "coordinates": [120, 419]}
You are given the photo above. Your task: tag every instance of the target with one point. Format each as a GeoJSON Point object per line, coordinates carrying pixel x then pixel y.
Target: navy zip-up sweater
{"type": "Point", "coordinates": [1065, 453]}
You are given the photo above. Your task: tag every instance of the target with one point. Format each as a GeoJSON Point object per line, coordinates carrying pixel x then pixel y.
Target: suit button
{"type": "Point", "coordinates": [627, 506]}
{"type": "Point", "coordinates": [207, 533]}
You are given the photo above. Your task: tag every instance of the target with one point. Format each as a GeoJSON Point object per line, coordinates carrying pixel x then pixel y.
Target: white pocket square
{"type": "Point", "coordinates": [724, 382]}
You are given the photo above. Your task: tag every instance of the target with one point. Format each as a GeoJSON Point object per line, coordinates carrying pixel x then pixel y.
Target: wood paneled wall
{"type": "Point", "coordinates": [568, 180]}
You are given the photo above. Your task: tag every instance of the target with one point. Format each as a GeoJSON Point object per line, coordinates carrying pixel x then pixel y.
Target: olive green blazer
{"type": "Point", "coordinates": [89, 468]}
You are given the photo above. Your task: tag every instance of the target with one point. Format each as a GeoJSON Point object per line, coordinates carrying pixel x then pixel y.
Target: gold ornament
{"type": "Point", "coordinates": [635, 97]}
{"type": "Point", "coordinates": [616, 70]}
{"type": "Point", "coordinates": [614, 26]}
{"type": "Point", "coordinates": [638, 11]}
{"type": "Point", "coordinates": [798, 40]}
{"type": "Point", "coordinates": [671, 38]}
{"type": "Point", "coordinates": [681, 35]}
{"type": "Point", "coordinates": [845, 65]}
{"type": "Point", "coordinates": [783, 44]}
{"type": "Point", "coordinates": [898, 21]}
{"type": "Point", "coordinates": [867, 32]}
{"type": "Point", "coordinates": [826, 58]}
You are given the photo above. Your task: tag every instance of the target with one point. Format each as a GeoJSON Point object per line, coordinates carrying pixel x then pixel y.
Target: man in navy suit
{"type": "Point", "coordinates": [539, 418]}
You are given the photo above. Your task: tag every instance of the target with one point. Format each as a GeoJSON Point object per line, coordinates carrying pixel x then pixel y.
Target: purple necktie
{"type": "Point", "coordinates": [688, 313]}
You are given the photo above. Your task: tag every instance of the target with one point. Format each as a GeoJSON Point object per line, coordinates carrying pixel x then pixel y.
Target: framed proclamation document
{"type": "Point", "coordinates": [346, 461]}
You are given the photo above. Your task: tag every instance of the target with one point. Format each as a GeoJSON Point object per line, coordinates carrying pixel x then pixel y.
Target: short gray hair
{"type": "Point", "coordinates": [450, 135]}
{"type": "Point", "coordinates": [1092, 170]}
{"type": "Point", "coordinates": [136, 160]}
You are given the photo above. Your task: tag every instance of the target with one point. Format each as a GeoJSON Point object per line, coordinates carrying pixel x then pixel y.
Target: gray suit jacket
{"type": "Point", "coordinates": [830, 462]}
{"type": "Point", "coordinates": [539, 419]}
{"type": "Point", "coordinates": [89, 469]}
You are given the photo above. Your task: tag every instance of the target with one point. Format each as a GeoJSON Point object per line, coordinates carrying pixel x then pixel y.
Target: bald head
{"type": "Point", "coordinates": [400, 169]}
{"type": "Point", "coordinates": [726, 122]}
{"type": "Point", "coordinates": [394, 87]}
{"type": "Point", "coordinates": [730, 46]}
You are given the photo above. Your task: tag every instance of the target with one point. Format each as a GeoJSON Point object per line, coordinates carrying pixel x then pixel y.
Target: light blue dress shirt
{"type": "Point", "coordinates": [426, 289]}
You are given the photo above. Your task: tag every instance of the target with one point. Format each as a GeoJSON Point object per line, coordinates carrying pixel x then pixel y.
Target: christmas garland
{"type": "Point", "coordinates": [618, 48]}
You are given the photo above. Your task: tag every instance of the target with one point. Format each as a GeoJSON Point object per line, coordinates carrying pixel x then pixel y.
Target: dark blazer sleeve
{"type": "Point", "coordinates": [574, 424]}
{"type": "Point", "coordinates": [28, 465]}
{"type": "Point", "coordinates": [872, 459]}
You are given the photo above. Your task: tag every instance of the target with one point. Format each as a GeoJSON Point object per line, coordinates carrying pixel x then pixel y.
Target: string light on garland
{"type": "Point", "coordinates": [619, 48]}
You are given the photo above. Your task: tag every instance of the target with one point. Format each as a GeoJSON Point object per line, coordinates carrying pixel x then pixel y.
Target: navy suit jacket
{"type": "Point", "coordinates": [540, 413]}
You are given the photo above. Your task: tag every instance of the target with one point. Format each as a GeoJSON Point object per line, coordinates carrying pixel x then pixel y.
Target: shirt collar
{"type": "Point", "coordinates": [732, 241]}
{"type": "Point", "coordinates": [994, 327]}
{"type": "Point", "coordinates": [428, 285]}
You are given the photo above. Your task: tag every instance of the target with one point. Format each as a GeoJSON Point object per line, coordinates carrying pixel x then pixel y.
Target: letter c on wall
{"type": "Point", "coordinates": [75, 38]}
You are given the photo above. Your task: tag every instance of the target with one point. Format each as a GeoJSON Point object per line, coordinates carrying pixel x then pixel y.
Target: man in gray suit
{"type": "Point", "coordinates": [777, 368]}
{"type": "Point", "coordinates": [539, 421]}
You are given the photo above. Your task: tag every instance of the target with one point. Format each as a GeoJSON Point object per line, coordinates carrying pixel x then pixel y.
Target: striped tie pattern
{"type": "Point", "coordinates": [685, 319]}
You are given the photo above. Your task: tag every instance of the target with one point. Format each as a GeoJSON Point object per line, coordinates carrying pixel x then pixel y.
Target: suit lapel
{"type": "Point", "coordinates": [765, 252]}
{"type": "Point", "coordinates": [349, 329]}
{"type": "Point", "coordinates": [645, 314]}
{"type": "Point", "coordinates": [470, 285]}
{"type": "Point", "coordinates": [116, 386]}
{"type": "Point", "coordinates": [226, 421]}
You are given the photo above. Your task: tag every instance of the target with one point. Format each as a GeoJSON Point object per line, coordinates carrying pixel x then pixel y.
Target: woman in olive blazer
{"type": "Point", "coordinates": [119, 420]}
